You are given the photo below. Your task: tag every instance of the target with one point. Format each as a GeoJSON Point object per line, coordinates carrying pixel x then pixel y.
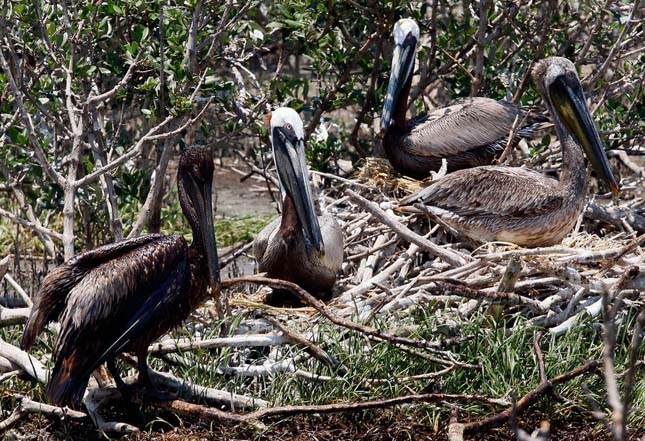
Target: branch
{"type": "Point", "coordinates": [208, 413]}
{"type": "Point", "coordinates": [319, 306]}
{"type": "Point", "coordinates": [405, 233]}
{"type": "Point", "coordinates": [603, 68]}
{"type": "Point", "coordinates": [546, 31]}
{"type": "Point", "coordinates": [38, 150]}
{"type": "Point", "coordinates": [106, 96]}
{"type": "Point", "coordinates": [134, 151]}
{"type": "Point", "coordinates": [22, 360]}
{"type": "Point", "coordinates": [155, 192]}
{"type": "Point", "coordinates": [35, 227]}
{"type": "Point", "coordinates": [13, 316]}
{"type": "Point", "coordinates": [615, 216]}
{"type": "Point", "coordinates": [528, 399]}
{"type": "Point", "coordinates": [345, 76]}
{"type": "Point", "coordinates": [479, 54]}
{"type": "Point", "coordinates": [170, 346]}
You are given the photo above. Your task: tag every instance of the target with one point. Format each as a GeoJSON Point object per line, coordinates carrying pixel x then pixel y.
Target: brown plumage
{"type": "Point", "coordinates": [123, 296]}
{"type": "Point", "coordinates": [470, 133]}
{"type": "Point", "coordinates": [281, 250]}
{"type": "Point", "coordinates": [518, 205]}
{"type": "Point", "coordinates": [301, 246]}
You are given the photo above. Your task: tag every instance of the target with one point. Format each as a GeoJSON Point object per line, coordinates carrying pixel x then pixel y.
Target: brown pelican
{"type": "Point", "coordinates": [300, 247]}
{"type": "Point", "coordinates": [522, 206]}
{"type": "Point", "coordinates": [121, 297]}
{"type": "Point", "coordinates": [471, 133]}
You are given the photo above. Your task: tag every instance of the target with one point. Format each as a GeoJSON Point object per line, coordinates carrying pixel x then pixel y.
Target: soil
{"type": "Point", "coordinates": [236, 198]}
{"type": "Point", "coordinates": [369, 426]}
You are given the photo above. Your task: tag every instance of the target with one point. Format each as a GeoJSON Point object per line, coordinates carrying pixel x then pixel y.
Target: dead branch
{"type": "Point", "coordinates": [257, 340]}
{"type": "Point", "coordinates": [209, 413]}
{"type": "Point", "coordinates": [13, 316]}
{"type": "Point", "coordinates": [529, 399]}
{"type": "Point", "coordinates": [300, 341]}
{"type": "Point", "coordinates": [615, 216]}
{"type": "Point", "coordinates": [405, 233]}
{"type": "Point", "coordinates": [450, 288]}
{"type": "Point", "coordinates": [310, 300]}
{"type": "Point", "coordinates": [31, 225]}
{"type": "Point", "coordinates": [23, 361]}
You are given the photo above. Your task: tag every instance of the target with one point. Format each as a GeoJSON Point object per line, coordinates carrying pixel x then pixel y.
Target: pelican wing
{"type": "Point", "coordinates": [111, 305]}
{"type": "Point", "coordinates": [332, 235]}
{"type": "Point", "coordinates": [475, 122]}
{"type": "Point", "coordinates": [497, 191]}
{"type": "Point", "coordinates": [52, 297]}
{"type": "Point", "coordinates": [263, 238]}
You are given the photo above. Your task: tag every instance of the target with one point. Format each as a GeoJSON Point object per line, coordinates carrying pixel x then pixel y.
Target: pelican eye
{"type": "Point", "coordinates": [287, 126]}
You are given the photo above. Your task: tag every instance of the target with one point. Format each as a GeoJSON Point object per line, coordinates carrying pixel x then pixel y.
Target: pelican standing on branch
{"type": "Point", "coordinates": [522, 206]}
{"type": "Point", "coordinates": [123, 296]}
{"type": "Point", "coordinates": [299, 246]}
{"type": "Point", "coordinates": [469, 134]}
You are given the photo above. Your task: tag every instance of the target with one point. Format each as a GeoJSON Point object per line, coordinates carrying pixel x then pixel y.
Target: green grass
{"type": "Point", "coordinates": [232, 230]}
{"type": "Point", "coordinates": [503, 351]}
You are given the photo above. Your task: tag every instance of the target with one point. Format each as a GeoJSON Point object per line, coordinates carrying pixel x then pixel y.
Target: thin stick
{"type": "Point", "coordinates": [209, 413]}
{"type": "Point", "coordinates": [528, 399]}
{"type": "Point", "coordinates": [323, 310]}
{"type": "Point", "coordinates": [404, 232]}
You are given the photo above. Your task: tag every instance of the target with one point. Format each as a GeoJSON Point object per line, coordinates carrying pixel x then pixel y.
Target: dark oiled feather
{"type": "Point", "coordinates": [52, 296]}
{"type": "Point", "coordinates": [121, 300]}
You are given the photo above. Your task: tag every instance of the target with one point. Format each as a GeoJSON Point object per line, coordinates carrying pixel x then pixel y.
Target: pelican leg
{"type": "Point", "coordinates": [151, 390]}
{"type": "Point", "coordinates": [125, 389]}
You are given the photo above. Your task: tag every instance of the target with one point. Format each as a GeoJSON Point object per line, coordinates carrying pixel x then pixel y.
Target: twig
{"type": "Point", "coordinates": [209, 413]}
{"type": "Point", "coordinates": [257, 340]}
{"type": "Point", "coordinates": [308, 346]}
{"type": "Point", "coordinates": [404, 232]}
{"type": "Point", "coordinates": [540, 358]}
{"type": "Point", "coordinates": [450, 288]}
{"type": "Point", "coordinates": [324, 311]}
{"type": "Point", "coordinates": [528, 399]}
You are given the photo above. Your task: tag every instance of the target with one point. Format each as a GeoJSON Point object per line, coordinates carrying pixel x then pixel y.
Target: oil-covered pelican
{"type": "Point", "coordinates": [123, 296]}
{"type": "Point", "coordinates": [300, 246]}
{"type": "Point", "coordinates": [522, 206]}
{"type": "Point", "coordinates": [471, 133]}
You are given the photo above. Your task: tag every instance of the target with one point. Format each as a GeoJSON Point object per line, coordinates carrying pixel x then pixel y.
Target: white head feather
{"type": "Point", "coordinates": [404, 27]}
{"type": "Point", "coordinates": [286, 115]}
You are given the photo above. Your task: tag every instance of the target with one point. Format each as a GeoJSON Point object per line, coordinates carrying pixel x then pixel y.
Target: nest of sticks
{"type": "Point", "coordinates": [396, 264]}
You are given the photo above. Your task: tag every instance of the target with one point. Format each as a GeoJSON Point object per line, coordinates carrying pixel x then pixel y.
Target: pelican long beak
{"type": "Point", "coordinates": [291, 163]}
{"type": "Point", "coordinates": [203, 200]}
{"type": "Point", "coordinates": [569, 102]}
{"type": "Point", "coordinates": [402, 65]}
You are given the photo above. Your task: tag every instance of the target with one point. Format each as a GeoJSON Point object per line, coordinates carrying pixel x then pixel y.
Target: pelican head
{"type": "Point", "coordinates": [406, 36]}
{"type": "Point", "coordinates": [195, 182]}
{"type": "Point", "coordinates": [287, 138]}
{"type": "Point", "coordinates": [558, 82]}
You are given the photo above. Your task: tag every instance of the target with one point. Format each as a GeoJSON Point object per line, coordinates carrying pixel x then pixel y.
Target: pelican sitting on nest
{"type": "Point", "coordinates": [471, 133]}
{"type": "Point", "coordinates": [522, 206]}
{"type": "Point", "coordinates": [300, 246]}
